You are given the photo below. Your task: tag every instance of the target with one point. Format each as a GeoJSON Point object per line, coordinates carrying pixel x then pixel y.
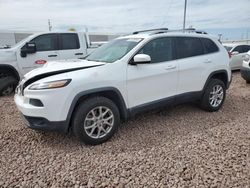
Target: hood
{"type": "Point", "coordinates": [54, 68]}
{"type": "Point", "coordinates": [57, 67]}
{"type": "Point", "coordinates": [7, 55]}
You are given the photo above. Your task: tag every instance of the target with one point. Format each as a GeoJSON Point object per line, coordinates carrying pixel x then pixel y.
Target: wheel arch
{"type": "Point", "coordinates": [109, 92]}
{"type": "Point", "coordinates": [11, 70]}
{"type": "Point", "coordinates": [221, 75]}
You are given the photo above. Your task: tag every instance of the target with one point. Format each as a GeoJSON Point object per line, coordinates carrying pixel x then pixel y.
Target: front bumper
{"type": "Point", "coordinates": [39, 123]}
{"type": "Point", "coordinates": [50, 114]}
{"type": "Point", "coordinates": [245, 73]}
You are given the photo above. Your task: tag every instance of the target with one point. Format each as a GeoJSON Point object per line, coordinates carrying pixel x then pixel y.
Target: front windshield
{"type": "Point", "coordinates": [113, 50]}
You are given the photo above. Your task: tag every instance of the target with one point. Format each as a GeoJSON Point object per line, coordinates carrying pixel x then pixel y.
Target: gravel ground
{"type": "Point", "coordinates": [178, 147]}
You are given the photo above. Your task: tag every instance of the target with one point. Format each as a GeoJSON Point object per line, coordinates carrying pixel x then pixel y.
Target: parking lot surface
{"type": "Point", "coordinates": [176, 147]}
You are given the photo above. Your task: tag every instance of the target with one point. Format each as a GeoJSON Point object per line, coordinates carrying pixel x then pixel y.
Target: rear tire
{"type": "Point", "coordinates": [7, 85]}
{"type": "Point", "coordinates": [96, 120]}
{"type": "Point", "coordinates": [214, 95]}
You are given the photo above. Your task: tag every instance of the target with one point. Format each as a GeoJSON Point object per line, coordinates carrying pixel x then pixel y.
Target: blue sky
{"type": "Point", "coordinates": [228, 17]}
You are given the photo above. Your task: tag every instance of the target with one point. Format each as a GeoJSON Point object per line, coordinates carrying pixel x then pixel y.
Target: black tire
{"type": "Point", "coordinates": [7, 85]}
{"type": "Point", "coordinates": [248, 81]}
{"type": "Point", "coordinates": [205, 100]}
{"type": "Point", "coordinates": [84, 109]}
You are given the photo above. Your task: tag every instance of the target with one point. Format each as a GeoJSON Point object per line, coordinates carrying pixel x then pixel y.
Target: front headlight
{"type": "Point", "coordinates": [50, 85]}
{"type": "Point", "coordinates": [246, 58]}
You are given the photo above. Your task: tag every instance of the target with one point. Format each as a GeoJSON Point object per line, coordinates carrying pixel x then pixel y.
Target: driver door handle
{"type": "Point", "coordinates": [170, 67]}
{"type": "Point", "coordinates": [52, 55]}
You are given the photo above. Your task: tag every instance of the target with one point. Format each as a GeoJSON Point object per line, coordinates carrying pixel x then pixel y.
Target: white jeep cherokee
{"type": "Point", "coordinates": [126, 76]}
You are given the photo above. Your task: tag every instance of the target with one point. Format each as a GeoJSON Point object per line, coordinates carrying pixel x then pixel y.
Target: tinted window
{"type": "Point", "coordinates": [69, 41]}
{"type": "Point", "coordinates": [46, 42]}
{"type": "Point", "coordinates": [246, 48]}
{"type": "Point", "coordinates": [188, 47]}
{"type": "Point", "coordinates": [209, 45]}
{"type": "Point", "coordinates": [238, 49]}
{"type": "Point", "coordinates": [159, 50]}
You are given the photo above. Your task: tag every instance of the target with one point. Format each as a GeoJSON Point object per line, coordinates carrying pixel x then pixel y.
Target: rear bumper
{"type": "Point", "coordinates": [39, 123]}
{"type": "Point", "coordinates": [245, 73]}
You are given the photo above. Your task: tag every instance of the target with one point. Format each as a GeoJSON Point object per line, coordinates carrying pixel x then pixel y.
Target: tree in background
{"type": "Point", "coordinates": [72, 29]}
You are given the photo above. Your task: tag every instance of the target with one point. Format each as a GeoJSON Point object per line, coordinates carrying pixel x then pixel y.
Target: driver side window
{"type": "Point", "coordinates": [159, 50]}
{"type": "Point", "coordinates": [238, 49]}
{"type": "Point", "coordinates": [47, 42]}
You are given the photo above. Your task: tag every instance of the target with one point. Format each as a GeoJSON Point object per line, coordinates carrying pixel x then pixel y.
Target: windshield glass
{"type": "Point", "coordinates": [20, 42]}
{"type": "Point", "coordinates": [228, 48]}
{"type": "Point", "coordinates": [113, 50]}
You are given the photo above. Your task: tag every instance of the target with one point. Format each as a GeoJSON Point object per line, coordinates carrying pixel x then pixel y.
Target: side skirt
{"type": "Point", "coordinates": [169, 101]}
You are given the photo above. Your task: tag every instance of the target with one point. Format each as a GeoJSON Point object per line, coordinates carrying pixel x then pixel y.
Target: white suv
{"type": "Point", "coordinates": [126, 76]}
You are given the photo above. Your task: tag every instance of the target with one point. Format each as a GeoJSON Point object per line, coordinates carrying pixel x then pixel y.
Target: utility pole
{"type": "Point", "coordinates": [184, 20]}
{"type": "Point", "coordinates": [50, 26]}
{"type": "Point", "coordinates": [220, 37]}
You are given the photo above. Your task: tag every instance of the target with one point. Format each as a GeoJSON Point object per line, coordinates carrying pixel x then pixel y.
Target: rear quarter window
{"type": "Point", "coordinates": [209, 45]}
{"type": "Point", "coordinates": [188, 47]}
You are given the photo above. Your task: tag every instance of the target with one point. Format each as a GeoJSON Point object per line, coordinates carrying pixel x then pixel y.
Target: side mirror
{"type": "Point", "coordinates": [235, 53]}
{"type": "Point", "coordinates": [141, 59]}
{"type": "Point", "coordinates": [29, 48]}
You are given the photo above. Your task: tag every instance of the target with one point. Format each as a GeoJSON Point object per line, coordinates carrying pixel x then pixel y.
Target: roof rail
{"type": "Point", "coordinates": [189, 30]}
{"type": "Point", "coordinates": [148, 30]}
{"type": "Point", "coordinates": [196, 31]}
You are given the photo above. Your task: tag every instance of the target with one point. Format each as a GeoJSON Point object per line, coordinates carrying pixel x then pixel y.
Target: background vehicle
{"type": "Point", "coordinates": [36, 50]}
{"type": "Point", "coordinates": [129, 75]}
{"type": "Point", "coordinates": [245, 69]}
{"type": "Point", "coordinates": [237, 52]}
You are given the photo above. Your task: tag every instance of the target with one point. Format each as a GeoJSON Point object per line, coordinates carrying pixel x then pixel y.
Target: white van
{"type": "Point", "coordinates": [35, 50]}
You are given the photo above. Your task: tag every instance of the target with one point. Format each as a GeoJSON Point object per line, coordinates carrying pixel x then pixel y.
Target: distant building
{"type": "Point", "coordinates": [242, 41]}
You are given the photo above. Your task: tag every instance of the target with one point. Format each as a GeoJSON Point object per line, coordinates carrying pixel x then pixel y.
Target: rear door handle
{"type": "Point", "coordinates": [78, 53]}
{"type": "Point", "coordinates": [170, 67]}
{"type": "Point", "coordinates": [52, 55]}
{"type": "Point", "coordinates": [207, 61]}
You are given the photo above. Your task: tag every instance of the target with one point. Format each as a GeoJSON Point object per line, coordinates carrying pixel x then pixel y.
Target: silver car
{"type": "Point", "coordinates": [237, 53]}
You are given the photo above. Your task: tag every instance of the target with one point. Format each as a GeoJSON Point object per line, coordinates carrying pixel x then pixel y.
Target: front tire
{"type": "Point", "coordinates": [214, 95]}
{"type": "Point", "coordinates": [96, 120]}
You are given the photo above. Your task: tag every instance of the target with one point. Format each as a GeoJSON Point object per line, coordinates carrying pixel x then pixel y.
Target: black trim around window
{"type": "Point", "coordinates": [175, 48]}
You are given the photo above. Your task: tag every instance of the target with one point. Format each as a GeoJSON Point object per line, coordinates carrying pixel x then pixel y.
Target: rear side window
{"type": "Point", "coordinates": [159, 50]}
{"type": "Point", "coordinates": [209, 45]}
{"type": "Point", "coordinates": [188, 47]}
{"type": "Point", "coordinates": [47, 42]}
{"type": "Point", "coordinates": [69, 41]}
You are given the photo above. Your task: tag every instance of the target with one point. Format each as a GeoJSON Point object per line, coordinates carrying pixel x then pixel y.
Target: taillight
{"type": "Point", "coordinates": [229, 54]}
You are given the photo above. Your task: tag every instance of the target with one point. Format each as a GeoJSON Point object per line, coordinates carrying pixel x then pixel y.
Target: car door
{"type": "Point", "coordinates": [194, 66]}
{"type": "Point", "coordinates": [70, 47]}
{"type": "Point", "coordinates": [148, 83]}
{"type": "Point", "coordinates": [46, 50]}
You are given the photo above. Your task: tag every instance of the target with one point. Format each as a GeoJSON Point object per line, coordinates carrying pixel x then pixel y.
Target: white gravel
{"type": "Point", "coordinates": [178, 147]}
